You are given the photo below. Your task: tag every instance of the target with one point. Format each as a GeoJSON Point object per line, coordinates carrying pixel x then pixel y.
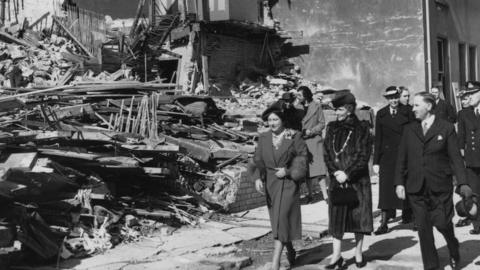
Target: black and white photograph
{"type": "Point", "coordinates": [239, 134]}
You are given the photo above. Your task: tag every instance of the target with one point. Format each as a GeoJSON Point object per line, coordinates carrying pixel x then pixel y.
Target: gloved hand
{"type": "Point", "coordinates": [466, 191]}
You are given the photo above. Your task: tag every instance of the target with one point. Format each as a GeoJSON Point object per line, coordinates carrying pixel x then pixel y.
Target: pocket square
{"type": "Point", "coordinates": [439, 138]}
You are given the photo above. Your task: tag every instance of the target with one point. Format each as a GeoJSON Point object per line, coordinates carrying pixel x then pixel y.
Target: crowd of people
{"type": "Point", "coordinates": [416, 152]}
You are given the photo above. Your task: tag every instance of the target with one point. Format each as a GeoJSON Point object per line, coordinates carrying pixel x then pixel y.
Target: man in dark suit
{"type": "Point", "coordinates": [389, 124]}
{"type": "Point", "coordinates": [428, 155]}
{"type": "Point", "coordinates": [442, 109]}
{"type": "Point", "coordinates": [469, 143]}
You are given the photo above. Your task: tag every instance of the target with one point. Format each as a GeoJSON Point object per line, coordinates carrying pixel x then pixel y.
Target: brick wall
{"type": "Point", "coordinates": [246, 197]}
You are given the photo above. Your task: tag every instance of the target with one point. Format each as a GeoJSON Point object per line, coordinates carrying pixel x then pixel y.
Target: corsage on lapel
{"type": "Point", "coordinates": [289, 134]}
{"type": "Point", "coordinates": [439, 138]}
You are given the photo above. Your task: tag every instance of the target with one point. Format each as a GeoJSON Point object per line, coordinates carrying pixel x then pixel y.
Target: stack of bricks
{"type": "Point", "coordinates": [246, 197]}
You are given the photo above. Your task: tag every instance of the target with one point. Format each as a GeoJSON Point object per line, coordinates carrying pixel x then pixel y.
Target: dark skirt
{"type": "Point", "coordinates": [358, 219]}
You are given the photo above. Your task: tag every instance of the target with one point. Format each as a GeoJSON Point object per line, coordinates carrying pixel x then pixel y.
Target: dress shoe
{"type": "Point", "coordinates": [291, 256]}
{"type": "Point", "coordinates": [383, 229]}
{"type": "Point", "coordinates": [360, 264]}
{"type": "Point", "coordinates": [455, 263]}
{"type": "Point", "coordinates": [475, 231]}
{"type": "Point", "coordinates": [463, 222]}
{"type": "Point", "coordinates": [335, 265]}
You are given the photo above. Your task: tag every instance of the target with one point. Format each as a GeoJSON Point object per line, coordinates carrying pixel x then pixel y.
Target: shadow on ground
{"type": "Point", "coordinates": [468, 253]}
{"type": "Point", "coordinates": [386, 249]}
{"type": "Point", "coordinates": [316, 254]}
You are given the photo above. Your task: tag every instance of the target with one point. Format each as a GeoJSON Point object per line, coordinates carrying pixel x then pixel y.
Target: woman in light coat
{"type": "Point", "coordinates": [313, 124]}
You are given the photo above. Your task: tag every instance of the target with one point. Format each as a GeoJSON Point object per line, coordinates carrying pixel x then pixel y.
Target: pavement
{"type": "Point", "coordinates": [212, 245]}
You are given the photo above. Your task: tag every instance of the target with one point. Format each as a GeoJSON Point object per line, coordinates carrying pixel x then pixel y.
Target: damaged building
{"type": "Point", "coordinates": [369, 45]}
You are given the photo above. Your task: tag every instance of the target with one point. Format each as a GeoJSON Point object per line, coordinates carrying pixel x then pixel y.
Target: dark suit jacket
{"type": "Point", "coordinates": [469, 136]}
{"type": "Point", "coordinates": [429, 159]}
{"type": "Point", "coordinates": [445, 111]}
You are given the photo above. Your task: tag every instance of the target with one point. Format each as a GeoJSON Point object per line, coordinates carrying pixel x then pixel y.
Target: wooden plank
{"type": "Point", "coordinates": [148, 148]}
{"type": "Point", "coordinates": [11, 39]}
{"type": "Point", "coordinates": [22, 161]}
{"type": "Point", "coordinates": [72, 36]}
{"type": "Point", "coordinates": [38, 20]}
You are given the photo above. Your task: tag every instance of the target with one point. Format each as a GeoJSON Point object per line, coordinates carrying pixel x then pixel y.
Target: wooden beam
{"type": "Point", "coordinates": [74, 39]}
{"type": "Point", "coordinates": [38, 20]}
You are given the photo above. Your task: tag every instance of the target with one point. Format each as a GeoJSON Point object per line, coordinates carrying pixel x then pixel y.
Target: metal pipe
{"type": "Point", "coordinates": [429, 45]}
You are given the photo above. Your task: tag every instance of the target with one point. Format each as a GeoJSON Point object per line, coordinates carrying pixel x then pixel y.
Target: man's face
{"type": "Point", "coordinates": [300, 96]}
{"type": "Point", "coordinates": [288, 104]}
{"type": "Point", "coordinates": [404, 97]}
{"type": "Point", "coordinates": [420, 108]}
{"type": "Point", "coordinates": [474, 99]}
{"type": "Point", "coordinates": [393, 101]}
{"type": "Point", "coordinates": [435, 92]}
{"type": "Point", "coordinates": [465, 100]}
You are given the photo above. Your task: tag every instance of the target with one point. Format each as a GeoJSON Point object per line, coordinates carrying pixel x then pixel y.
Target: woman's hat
{"type": "Point", "coordinates": [467, 207]}
{"type": "Point", "coordinates": [342, 98]}
{"type": "Point", "coordinates": [391, 91]}
{"type": "Point", "coordinates": [276, 108]}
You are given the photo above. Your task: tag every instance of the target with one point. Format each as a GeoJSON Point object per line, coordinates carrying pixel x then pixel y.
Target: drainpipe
{"type": "Point", "coordinates": [429, 45]}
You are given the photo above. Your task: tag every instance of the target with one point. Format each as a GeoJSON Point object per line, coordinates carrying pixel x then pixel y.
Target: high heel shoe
{"type": "Point", "coordinates": [336, 264]}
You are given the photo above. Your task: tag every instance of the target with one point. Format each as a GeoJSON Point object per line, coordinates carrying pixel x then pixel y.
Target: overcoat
{"type": "Point", "coordinates": [388, 133]}
{"type": "Point", "coordinates": [445, 111]}
{"type": "Point", "coordinates": [469, 141]}
{"type": "Point", "coordinates": [314, 120]}
{"type": "Point", "coordinates": [469, 136]}
{"type": "Point", "coordinates": [354, 162]}
{"type": "Point", "coordinates": [283, 197]}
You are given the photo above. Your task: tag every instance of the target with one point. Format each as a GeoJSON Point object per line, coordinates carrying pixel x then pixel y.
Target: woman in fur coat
{"type": "Point", "coordinates": [279, 166]}
{"type": "Point", "coordinates": [348, 145]}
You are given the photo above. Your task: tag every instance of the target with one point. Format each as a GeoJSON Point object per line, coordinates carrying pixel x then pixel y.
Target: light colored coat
{"type": "Point", "coordinates": [314, 120]}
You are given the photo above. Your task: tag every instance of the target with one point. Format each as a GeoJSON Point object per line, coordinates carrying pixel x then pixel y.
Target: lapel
{"type": "Point", "coordinates": [417, 129]}
{"type": "Point", "coordinates": [394, 123]}
{"type": "Point", "coordinates": [283, 150]}
{"type": "Point", "coordinates": [268, 146]}
{"type": "Point", "coordinates": [471, 115]}
{"type": "Point", "coordinates": [433, 130]}
{"type": "Point", "coordinates": [312, 109]}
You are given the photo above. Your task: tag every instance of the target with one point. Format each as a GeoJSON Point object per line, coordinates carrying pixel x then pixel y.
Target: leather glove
{"type": "Point", "coordinates": [466, 191]}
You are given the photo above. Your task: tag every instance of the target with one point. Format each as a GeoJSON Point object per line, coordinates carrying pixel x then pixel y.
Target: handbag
{"type": "Point", "coordinates": [344, 195]}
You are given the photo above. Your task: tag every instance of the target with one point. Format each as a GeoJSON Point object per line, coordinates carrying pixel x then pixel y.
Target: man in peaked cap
{"type": "Point", "coordinates": [469, 143]}
{"type": "Point", "coordinates": [389, 124]}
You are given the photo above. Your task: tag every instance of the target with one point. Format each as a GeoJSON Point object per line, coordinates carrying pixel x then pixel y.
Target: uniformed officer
{"type": "Point", "coordinates": [469, 142]}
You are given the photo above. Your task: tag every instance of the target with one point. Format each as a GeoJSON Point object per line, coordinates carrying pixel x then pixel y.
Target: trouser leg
{"type": "Point", "coordinates": [425, 231]}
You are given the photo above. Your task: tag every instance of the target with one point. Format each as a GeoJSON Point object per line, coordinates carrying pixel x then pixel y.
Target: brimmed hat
{"type": "Point", "coordinates": [464, 206]}
{"type": "Point", "coordinates": [276, 108]}
{"type": "Point", "coordinates": [472, 87]}
{"type": "Point", "coordinates": [343, 98]}
{"type": "Point", "coordinates": [391, 91]}
{"type": "Point", "coordinates": [288, 96]}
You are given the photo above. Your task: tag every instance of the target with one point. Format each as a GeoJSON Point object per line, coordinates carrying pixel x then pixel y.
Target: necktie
{"type": "Point", "coordinates": [394, 112]}
{"type": "Point", "coordinates": [424, 128]}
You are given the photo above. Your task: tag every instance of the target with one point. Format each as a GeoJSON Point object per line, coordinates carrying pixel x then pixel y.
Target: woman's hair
{"type": "Point", "coordinates": [307, 93]}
